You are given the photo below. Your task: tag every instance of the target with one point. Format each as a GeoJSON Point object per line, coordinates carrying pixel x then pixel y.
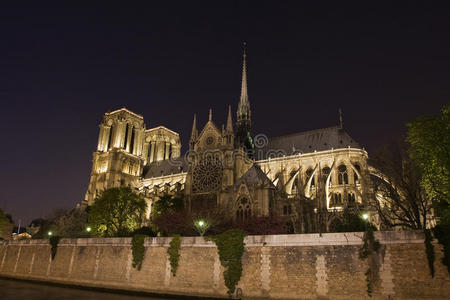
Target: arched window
{"type": "Point", "coordinates": [342, 176]}
{"type": "Point", "coordinates": [244, 211]}
{"type": "Point", "coordinates": [109, 138]}
{"type": "Point", "coordinates": [309, 173]}
{"type": "Point", "coordinates": [351, 198]}
{"type": "Point", "coordinates": [355, 176]}
{"type": "Point", "coordinates": [325, 172]}
{"type": "Point", "coordinates": [126, 136]}
{"type": "Point", "coordinates": [131, 139]}
{"type": "Point", "coordinates": [294, 190]}
{"type": "Point", "coordinates": [337, 199]}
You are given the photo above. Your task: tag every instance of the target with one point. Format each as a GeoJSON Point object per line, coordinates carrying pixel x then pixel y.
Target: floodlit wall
{"type": "Point", "coordinates": [306, 266]}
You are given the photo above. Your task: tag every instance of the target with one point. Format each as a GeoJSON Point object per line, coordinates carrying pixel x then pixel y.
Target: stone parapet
{"type": "Point", "coordinates": [303, 266]}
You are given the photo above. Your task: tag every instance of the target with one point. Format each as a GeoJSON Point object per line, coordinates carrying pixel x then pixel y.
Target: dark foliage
{"type": "Point", "coordinates": [54, 240]}
{"type": "Point", "coordinates": [350, 221]}
{"type": "Point", "coordinates": [174, 222]}
{"type": "Point", "coordinates": [429, 250]}
{"type": "Point", "coordinates": [167, 203]}
{"type": "Point", "coordinates": [138, 250]}
{"type": "Point", "coordinates": [262, 226]}
{"type": "Point", "coordinates": [442, 233]}
{"type": "Point", "coordinates": [145, 230]}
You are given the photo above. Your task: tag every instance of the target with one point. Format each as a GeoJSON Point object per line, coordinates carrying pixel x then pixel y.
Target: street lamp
{"type": "Point", "coordinates": [88, 229]}
{"type": "Point", "coordinates": [201, 226]}
{"type": "Point", "coordinates": [365, 217]}
{"type": "Point", "coordinates": [50, 233]}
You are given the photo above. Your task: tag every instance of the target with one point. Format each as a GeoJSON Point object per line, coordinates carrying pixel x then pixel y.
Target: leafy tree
{"type": "Point", "coordinates": [71, 224]}
{"type": "Point", "coordinates": [173, 222]}
{"type": "Point", "coordinates": [429, 137]}
{"type": "Point", "coordinates": [397, 181]}
{"type": "Point", "coordinates": [350, 221]}
{"type": "Point", "coordinates": [4, 223]}
{"type": "Point", "coordinates": [166, 203]}
{"type": "Point", "coordinates": [117, 212]}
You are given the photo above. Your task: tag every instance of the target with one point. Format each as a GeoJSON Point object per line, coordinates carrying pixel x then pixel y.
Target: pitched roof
{"type": "Point", "coordinates": [308, 141]}
{"type": "Point", "coordinates": [165, 167]}
{"type": "Point", "coordinates": [254, 175]}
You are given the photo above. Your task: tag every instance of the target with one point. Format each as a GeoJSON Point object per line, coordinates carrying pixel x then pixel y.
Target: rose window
{"type": "Point", "coordinates": [207, 175]}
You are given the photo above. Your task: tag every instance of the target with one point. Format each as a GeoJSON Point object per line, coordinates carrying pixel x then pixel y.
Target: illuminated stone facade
{"type": "Point", "coordinates": [309, 173]}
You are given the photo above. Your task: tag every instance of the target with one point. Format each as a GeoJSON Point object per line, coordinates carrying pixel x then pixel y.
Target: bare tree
{"type": "Point", "coordinates": [399, 197]}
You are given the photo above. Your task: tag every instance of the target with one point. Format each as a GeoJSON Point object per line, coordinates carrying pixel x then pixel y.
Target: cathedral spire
{"type": "Point", "coordinates": [243, 112]}
{"type": "Point", "coordinates": [229, 120]}
{"type": "Point", "coordinates": [194, 128]}
{"type": "Point", "coordinates": [210, 115]}
{"type": "Point", "coordinates": [243, 124]}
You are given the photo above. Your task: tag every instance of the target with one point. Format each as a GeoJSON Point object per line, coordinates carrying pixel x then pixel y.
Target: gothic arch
{"type": "Point", "coordinates": [244, 208]}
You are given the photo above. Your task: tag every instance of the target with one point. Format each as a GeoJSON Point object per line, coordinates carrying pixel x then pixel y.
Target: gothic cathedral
{"type": "Point", "coordinates": [302, 175]}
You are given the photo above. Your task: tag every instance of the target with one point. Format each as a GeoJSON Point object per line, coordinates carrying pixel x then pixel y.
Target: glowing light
{"type": "Point", "coordinates": [201, 223]}
{"type": "Point", "coordinates": [50, 233]}
{"type": "Point", "coordinates": [88, 229]}
{"type": "Point", "coordinates": [365, 216]}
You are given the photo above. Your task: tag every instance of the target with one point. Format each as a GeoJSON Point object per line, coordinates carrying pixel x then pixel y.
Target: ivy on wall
{"type": "Point", "coordinates": [138, 250]}
{"type": "Point", "coordinates": [442, 233]}
{"type": "Point", "coordinates": [54, 240]}
{"type": "Point", "coordinates": [429, 248]}
{"type": "Point", "coordinates": [173, 252]}
{"type": "Point", "coordinates": [230, 245]}
{"type": "Point", "coordinates": [369, 250]}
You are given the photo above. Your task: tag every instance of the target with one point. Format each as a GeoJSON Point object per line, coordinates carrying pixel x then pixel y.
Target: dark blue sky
{"type": "Point", "coordinates": [61, 68]}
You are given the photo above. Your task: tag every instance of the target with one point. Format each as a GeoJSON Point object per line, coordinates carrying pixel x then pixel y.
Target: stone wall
{"type": "Point", "coordinates": [307, 266]}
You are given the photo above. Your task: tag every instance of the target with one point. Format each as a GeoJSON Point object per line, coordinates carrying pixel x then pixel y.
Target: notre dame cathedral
{"type": "Point", "coordinates": [304, 175]}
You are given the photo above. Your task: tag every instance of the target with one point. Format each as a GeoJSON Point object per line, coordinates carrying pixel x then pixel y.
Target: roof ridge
{"type": "Point", "coordinates": [304, 132]}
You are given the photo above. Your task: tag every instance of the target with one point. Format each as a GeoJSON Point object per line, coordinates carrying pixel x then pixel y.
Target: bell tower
{"type": "Point", "coordinates": [118, 160]}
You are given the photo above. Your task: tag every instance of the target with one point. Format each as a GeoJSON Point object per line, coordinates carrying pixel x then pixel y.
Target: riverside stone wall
{"type": "Point", "coordinates": [306, 266]}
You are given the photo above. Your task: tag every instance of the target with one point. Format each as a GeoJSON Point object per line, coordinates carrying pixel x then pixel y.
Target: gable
{"type": "Point", "coordinates": [210, 137]}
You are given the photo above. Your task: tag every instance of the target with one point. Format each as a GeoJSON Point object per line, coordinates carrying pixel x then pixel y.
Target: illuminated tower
{"type": "Point", "coordinates": [243, 124]}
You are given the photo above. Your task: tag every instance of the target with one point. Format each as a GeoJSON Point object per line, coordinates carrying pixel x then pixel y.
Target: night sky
{"type": "Point", "coordinates": [62, 68]}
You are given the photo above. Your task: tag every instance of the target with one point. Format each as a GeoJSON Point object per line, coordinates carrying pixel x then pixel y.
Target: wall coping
{"type": "Point", "coordinates": [299, 240]}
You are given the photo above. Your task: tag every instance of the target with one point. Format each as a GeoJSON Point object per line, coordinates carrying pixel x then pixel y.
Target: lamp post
{"type": "Point", "coordinates": [201, 226]}
{"type": "Point", "coordinates": [365, 217]}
